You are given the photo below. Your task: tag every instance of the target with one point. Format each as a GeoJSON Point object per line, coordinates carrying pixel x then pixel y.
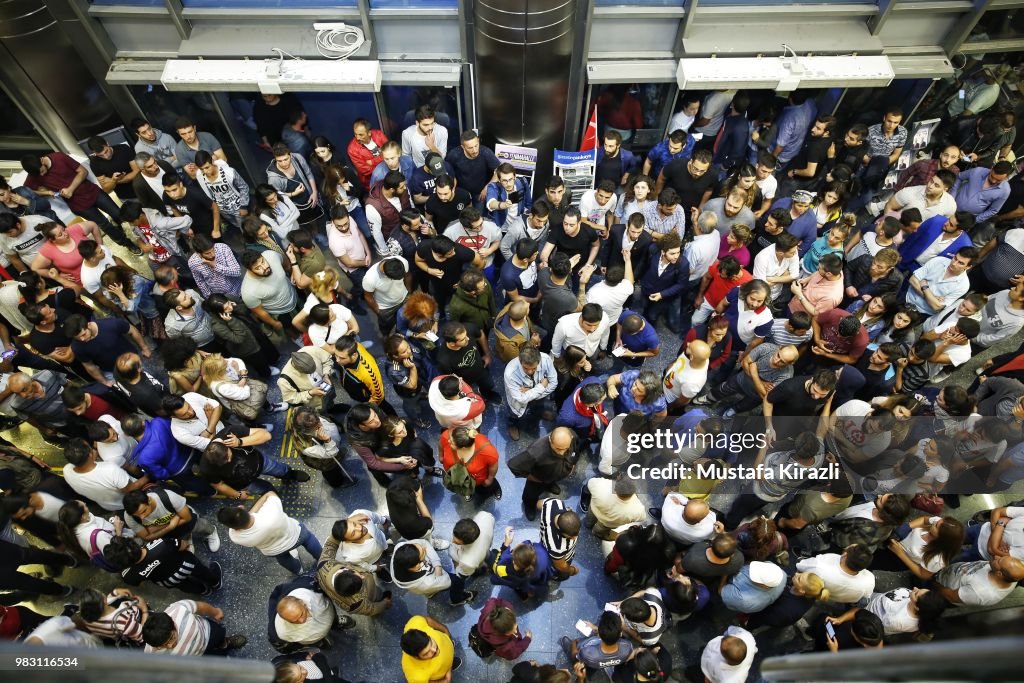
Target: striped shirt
{"type": "Point", "coordinates": [124, 623]}
{"type": "Point", "coordinates": [191, 628]}
{"type": "Point", "coordinates": [163, 564]}
{"type": "Point", "coordinates": [224, 277]}
{"type": "Point", "coordinates": [783, 337]}
{"type": "Point", "coordinates": [559, 547]}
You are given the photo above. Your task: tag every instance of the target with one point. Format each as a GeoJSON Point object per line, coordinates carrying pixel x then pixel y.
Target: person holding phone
{"type": "Point", "coordinates": [508, 199]}
{"type": "Point", "coordinates": [853, 629]}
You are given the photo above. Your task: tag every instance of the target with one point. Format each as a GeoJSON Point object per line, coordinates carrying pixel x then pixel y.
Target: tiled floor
{"type": "Point", "coordinates": [370, 651]}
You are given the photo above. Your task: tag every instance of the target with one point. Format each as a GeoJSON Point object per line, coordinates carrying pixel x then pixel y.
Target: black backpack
{"type": "Point", "coordinates": [481, 647]}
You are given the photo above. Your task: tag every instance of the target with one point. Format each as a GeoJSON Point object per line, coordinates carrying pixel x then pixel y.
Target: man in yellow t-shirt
{"type": "Point", "coordinates": [428, 653]}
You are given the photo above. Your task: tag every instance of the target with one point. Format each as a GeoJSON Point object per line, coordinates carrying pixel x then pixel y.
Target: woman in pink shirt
{"type": "Point", "coordinates": [734, 243]}
{"type": "Point", "coordinates": [58, 257]}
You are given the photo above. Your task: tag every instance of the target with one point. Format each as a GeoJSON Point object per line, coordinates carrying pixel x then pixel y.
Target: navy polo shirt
{"type": "Point", "coordinates": [644, 340]}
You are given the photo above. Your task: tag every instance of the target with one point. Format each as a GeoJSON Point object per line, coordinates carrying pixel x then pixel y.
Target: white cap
{"type": "Point", "coordinates": [766, 574]}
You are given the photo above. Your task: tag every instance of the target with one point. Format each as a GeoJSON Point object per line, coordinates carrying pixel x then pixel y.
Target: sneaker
{"type": "Point", "coordinates": [235, 642]}
{"type": "Point", "coordinates": [134, 249]}
{"type": "Point", "coordinates": [274, 372]}
{"type": "Point", "coordinates": [470, 596]}
{"type": "Point", "coordinates": [440, 544]}
{"type": "Point", "coordinates": [584, 505]}
{"type": "Point", "coordinates": [513, 432]}
{"type": "Point", "coordinates": [531, 513]}
{"type": "Point", "coordinates": [498, 493]}
{"type": "Point", "coordinates": [729, 412]}
{"type": "Point", "coordinates": [297, 475]}
{"type": "Point", "coordinates": [654, 512]}
{"type": "Point", "coordinates": [279, 407]}
{"type": "Point", "coordinates": [344, 622]}
{"type": "Point", "coordinates": [566, 644]}
{"type": "Point", "coordinates": [213, 541]}
{"type": "Point", "coordinates": [434, 471]}
{"type": "Point", "coordinates": [220, 576]}
{"type": "Point", "coordinates": [456, 663]}
{"type": "Point", "coordinates": [383, 575]}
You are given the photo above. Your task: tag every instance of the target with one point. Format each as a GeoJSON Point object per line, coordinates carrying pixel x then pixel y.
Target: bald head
{"type": "Point", "coordinates": [789, 353]}
{"type": "Point", "coordinates": [518, 310]}
{"type": "Point", "coordinates": [128, 364]}
{"type": "Point", "coordinates": [19, 382]}
{"type": "Point", "coordinates": [698, 352]}
{"type": "Point", "coordinates": [561, 440]}
{"type": "Point", "coordinates": [292, 610]}
{"type": "Point", "coordinates": [695, 511]}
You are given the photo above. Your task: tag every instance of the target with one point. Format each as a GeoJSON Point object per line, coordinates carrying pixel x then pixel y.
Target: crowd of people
{"type": "Point", "coordinates": [810, 308]}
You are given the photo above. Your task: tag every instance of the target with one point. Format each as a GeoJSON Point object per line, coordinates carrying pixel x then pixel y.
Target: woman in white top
{"type": "Point", "coordinates": [908, 610]}
{"type": "Point", "coordinates": [330, 322]}
{"type": "Point", "coordinates": [85, 535]}
{"type": "Point", "coordinates": [228, 378]}
{"type": "Point", "coordinates": [931, 544]}
{"type": "Point", "coordinates": [276, 210]}
{"type": "Point", "coordinates": [635, 198]}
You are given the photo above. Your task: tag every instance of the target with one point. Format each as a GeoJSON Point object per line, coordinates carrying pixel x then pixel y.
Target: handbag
{"type": "Point", "coordinates": [481, 647]}
{"type": "Point", "coordinates": [931, 504]}
{"type": "Point", "coordinates": [248, 409]}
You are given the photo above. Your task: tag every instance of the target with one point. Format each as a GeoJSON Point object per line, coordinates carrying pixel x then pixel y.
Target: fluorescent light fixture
{"type": "Point", "coordinates": [271, 76]}
{"type": "Point", "coordinates": [784, 73]}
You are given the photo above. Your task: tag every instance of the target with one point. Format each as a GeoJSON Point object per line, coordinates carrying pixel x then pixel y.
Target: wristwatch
{"type": "Point", "coordinates": [1001, 523]}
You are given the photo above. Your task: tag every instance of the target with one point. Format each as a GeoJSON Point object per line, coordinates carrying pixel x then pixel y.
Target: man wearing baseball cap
{"type": "Point", "coordinates": [423, 178]}
{"type": "Point", "coordinates": [755, 587]}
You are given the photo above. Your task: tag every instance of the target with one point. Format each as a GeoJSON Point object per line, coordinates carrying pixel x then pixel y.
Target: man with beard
{"type": "Point", "coordinates": [267, 289]}
{"type": "Point", "coordinates": [360, 376]}
{"type": "Point", "coordinates": [474, 166]}
{"type": "Point", "coordinates": [931, 199]}
{"type": "Point", "coordinates": [444, 206]}
{"type": "Point", "coordinates": [186, 318]}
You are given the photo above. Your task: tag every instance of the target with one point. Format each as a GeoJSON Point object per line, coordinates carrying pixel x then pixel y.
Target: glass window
{"type": "Point", "coordinates": [638, 3]}
{"type": "Point", "coordinates": [414, 4]}
{"type": "Point", "coordinates": [130, 3]}
{"type": "Point", "coordinates": [288, 4]}
{"type": "Point", "coordinates": [778, 2]}
{"type": "Point", "coordinates": [401, 102]}
{"type": "Point", "coordinates": [999, 25]}
{"type": "Point", "coordinates": [637, 110]}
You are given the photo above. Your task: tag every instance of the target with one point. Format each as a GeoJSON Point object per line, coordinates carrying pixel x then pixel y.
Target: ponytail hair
{"type": "Point", "coordinates": [816, 588]}
{"type": "Point", "coordinates": [69, 517]}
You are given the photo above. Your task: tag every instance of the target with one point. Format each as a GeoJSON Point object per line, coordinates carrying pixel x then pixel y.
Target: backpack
{"type": "Point", "coordinates": [481, 647]}
{"type": "Point", "coordinates": [457, 478]}
{"type": "Point", "coordinates": [161, 493]}
{"type": "Point", "coordinates": [96, 555]}
{"type": "Point", "coordinates": [250, 408]}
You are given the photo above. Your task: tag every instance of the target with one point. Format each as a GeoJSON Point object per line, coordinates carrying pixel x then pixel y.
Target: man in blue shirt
{"type": "Point", "coordinates": [613, 162]}
{"type": "Point", "coordinates": [755, 587]}
{"type": "Point", "coordinates": [424, 178]}
{"type": "Point", "coordinates": [983, 191]}
{"type": "Point", "coordinates": [677, 146]}
{"type": "Point", "coordinates": [638, 339]}
{"type": "Point", "coordinates": [473, 165]}
{"type": "Point", "coordinates": [792, 126]}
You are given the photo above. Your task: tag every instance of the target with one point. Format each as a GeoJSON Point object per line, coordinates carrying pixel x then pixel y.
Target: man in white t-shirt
{"type": "Point", "coordinates": [686, 378]}
{"type": "Point", "coordinates": [597, 205]}
{"type": "Point", "coordinates": [95, 259]}
{"type": "Point", "coordinates": [687, 521]}
{"type": "Point", "coordinates": [104, 483]}
{"type": "Point", "coordinates": [953, 348]}
{"type": "Point", "coordinates": [931, 199]}
{"type": "Point", "coordinates": [1003, 534]}
{"type": "Point", "coordinates": [110, 440]}
{"type": "Point", "coordinates": [846, 576]}
{"type": "Point", "coordinates": [19, 238]}
{"type": "Point", "coordinates": [471, 541]}
{"type": "Point", "coordinates": [267, 528]}
{"type": "Point", "coordinates": [305, 617]}
{"type": "Point", "coordinates": [475, 232]}
{"type": "Point", "coordinates": [424, 136]}
{"type": "Point", "coordinates": [980, 584]}
{"type": "Point", "coordinates": [385, 290]}
{"type": "Point", "coordinates": [196, 422]}
{"type": "Point", "coordinates": [612, 293]}
{"type": "Point", "coordinates": [728, 658]}
{"type": "Point", "coordinates": [190, 628]}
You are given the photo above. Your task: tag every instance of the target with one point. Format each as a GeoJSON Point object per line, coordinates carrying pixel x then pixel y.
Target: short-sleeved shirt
{"type": "Point", "coordinates": [119, 162]}
{"type": "Point", "coordinates": [192, 630]}
{"type": "Point", "coordinates": [580, 243]}
{"type": "Point", "coordinates": [186, 155]}
{"type": "Point", "coordinates": [879, 145]}
{"type": "Point", "coordinates": [437, 667]}
{"type": "Point", "coordinates": [90, 276]}
{"type": "Point", "coordinates": [246, 464]}
{"type": "Point", "coordinates": [556, 300]}
{"type": "Point", "coordinates": [646, 339]}
{"type": "Point", "coordinates": [815, 151]}
{"type": "Point", "coordinates": [626, 403]}
{"type": "Point", "coordinates": [690, 189]}
{"type": "Point", "coordinates": [347, 244]}
{"type": "Point", "coordinates": [791, 398]}
{"type": "Point", "coordinates": [761, 357]}
{"type": "Point", "coordinates": [444, 213]}
{"type": "Point", "coordinates": [521, 280]}
{"type": "Point", "coordinates": [273, 292]}
{"type": "Point", "coordinates": [559, 546]}
{"type": "Point", "coordinates": [386, 292]}
{"type": "Point", "coordinates": [971, 581]}
{"type": "Point", "coordinates": [102, 484]}
{"type": "Point", "coordinates": [945, 288]}
{"type": "Point", "coordinates": [590, 653]}
{"type": "Point", "coordinates": [26, 245]}
{"type": "Point", "coordinates": [719, 286]}
{"type": "Point", "coordinates": [451, 267]}
{"type": "Point", "coordinates": [61, 174]}
{"type": "Point", "coordinates": [853, 346]}
{"type": "Point", "coordinates": [110, 342]}
{"type": "Point", "coordinates": [161, 514]}
{"type": "Point", "coordinates": [196, 206]}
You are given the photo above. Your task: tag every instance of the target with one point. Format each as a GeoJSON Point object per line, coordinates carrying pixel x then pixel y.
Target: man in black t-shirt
{"type": "Point", "coordinates": [114, 167]}
{"type": "Point", "coordinates": [557, 199]}
{"type": "Point", "coordinates": [180, 200]}
{"type": "Point", "coordinates": [464, 352]}
{"type": "Point", "coordinates": [808, 166]}
{"type": "Point", "coordinates": [443, 261]}
{"type": "Point", "coordinates": [164, 563]}
{"type": "Point", "coordinates": [798, 397]}
{"type": "Point", "coordinates": [572, 238]}
{"type": "Point", "coordinates": [689, 178]}
{"type": "Point", "coordinates": [47, 337]}
{"type": "Point", "coordinates": [444, 206]}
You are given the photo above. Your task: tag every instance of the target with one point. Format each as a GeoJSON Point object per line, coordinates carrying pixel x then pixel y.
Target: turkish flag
{"type": "Point", "coordinates": [590, 136]}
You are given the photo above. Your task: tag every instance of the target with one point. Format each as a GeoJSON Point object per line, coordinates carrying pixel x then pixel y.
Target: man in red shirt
{"type": "Point", "coordinates": [364, 150]}
{"type": "Point", "coordinates": [839, 338]}
{"type": "Point", "coordinates": [57, 174]}
{"type": "Point", "coordinates": [721, 278]}
{"type": "Point", "coordinates": [89, 406]}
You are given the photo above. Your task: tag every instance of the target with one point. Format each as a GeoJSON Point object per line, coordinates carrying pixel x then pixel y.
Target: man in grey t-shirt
{"type": "Point", "coordinates": [267, 289]}
{"type": "Point", "coordinates": [764, 367]}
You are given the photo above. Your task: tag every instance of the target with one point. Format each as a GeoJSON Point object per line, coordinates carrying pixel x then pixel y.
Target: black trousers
{"type": "Point", "coordinates": [13, 556]}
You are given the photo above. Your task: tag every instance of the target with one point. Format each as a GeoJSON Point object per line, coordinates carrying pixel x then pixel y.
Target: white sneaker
{"type": "Point", "coordinates": [440, 544]}
{"type": "Point", "coordinates": [274, 372]}
{"type": "Point", "coordinates": [279, 407]}
{"type": "Point", "coordinates": [213, 541]}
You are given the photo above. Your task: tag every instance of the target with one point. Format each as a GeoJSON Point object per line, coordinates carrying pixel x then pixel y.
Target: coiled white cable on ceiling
{"type": "Point", "coordinates": [339, 43]}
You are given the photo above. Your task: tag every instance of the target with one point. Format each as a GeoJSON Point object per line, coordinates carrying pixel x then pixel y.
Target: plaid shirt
{"type": "Point", "coordinates": [225, 278]}
{"type": "Point", "coordinates": [662, 225]}
{"type": "Point", "coordinates": [881, 146]}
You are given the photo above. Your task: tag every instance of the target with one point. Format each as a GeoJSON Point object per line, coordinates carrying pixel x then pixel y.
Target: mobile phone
{"type": "Point", "coordinates": [9, 354]}
{"type": "Point", "coordinates": [830, 630]}
{"type": "Point", "coordinates": [515, 197]}
{"type": "Point", "coordinates": [962, 94]}
{"type": "Point", "coordinates": [582, 627]}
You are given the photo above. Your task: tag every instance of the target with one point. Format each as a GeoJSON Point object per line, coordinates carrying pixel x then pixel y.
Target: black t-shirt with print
{"type": "Point", "coordinates": [119, 162]}
{"type": "Point", "coordinates": [467, 362]}
{"type": "Point", "coordinates": [580, 243]}
{"type": "Point", "coordinates": [451, 267]}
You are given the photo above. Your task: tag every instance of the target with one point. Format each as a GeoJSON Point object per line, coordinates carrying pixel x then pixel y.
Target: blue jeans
{"type": "Point", "coordinates": [971, 552]}
{"type": "Point", "coordinates": [358, 214]}
{"type": "Point", "coordinates": [272, 467]}
{"type": "Point", "coordinates": [306, 540]}
{"type": "Point", "coordinates": [143, 301]}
